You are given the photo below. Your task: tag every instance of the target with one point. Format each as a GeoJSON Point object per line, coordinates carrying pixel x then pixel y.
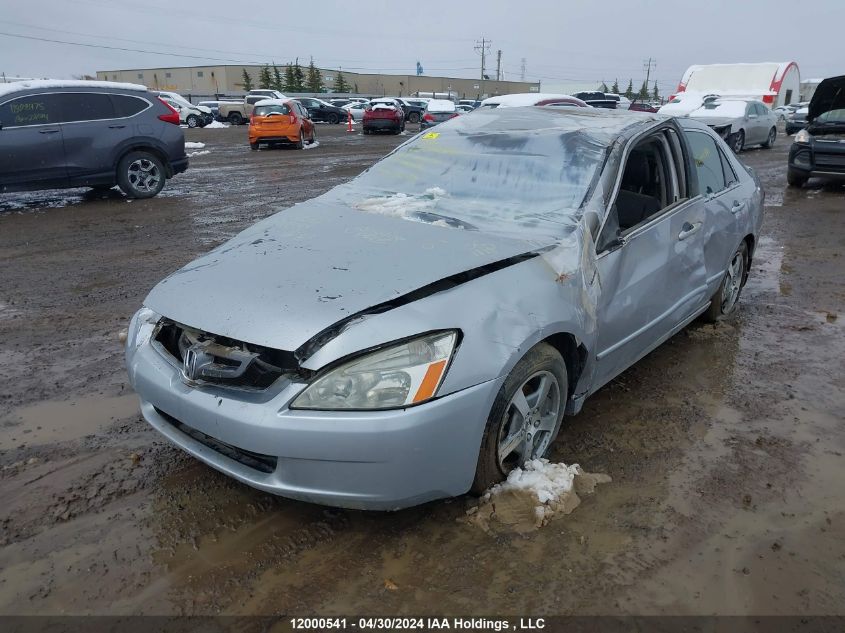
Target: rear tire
{"type": "Point", "coordinates": [494, 460]}
{"type": "Point", "coordinates": [773, 133]}
{"type": "Point", "coordinates": [140, 175]}
{"type": "Point", "coordinates": [253, 146]}
{"type": "Point", "coordinates": [334, 119]}
{"type": "Point", "coordinates": [235, 118]}
{"type": "Point", "coordinates": [300, 144]}
{"type": "Point", "coordinates": [795, 178]}
{"type": "Point", "coordinates": [726, 299]}
{"type": "Point", "coordinates": [414, 117]}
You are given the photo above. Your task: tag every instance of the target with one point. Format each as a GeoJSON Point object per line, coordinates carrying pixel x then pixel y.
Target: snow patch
{"type": "Point", "coordinates": [215, 125]}
{"type": "Point", "coordinates": [201, 153]}
{"type": "Point", "coordinates": [40, 84]}
{"type": "Point", "coordinates": [405, 206]}
{"type": "Point", "coordinates": [192, 145]}
{"type": "Point", "coordinates": [311, 145]}
{"type": "Point", "coordinates": [532, 495]}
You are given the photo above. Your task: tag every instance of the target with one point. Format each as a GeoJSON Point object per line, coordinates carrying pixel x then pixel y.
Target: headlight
{"type": "Point", "coordinates": [803, 136]}
{"type": "Point", "coordinates": [393, 377]}
{"type": "Point", "coordinates": [141, 328]}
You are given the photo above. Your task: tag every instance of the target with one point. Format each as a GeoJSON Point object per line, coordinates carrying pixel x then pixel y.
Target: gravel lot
{"type": "Point", "coordinates": [725, 445]}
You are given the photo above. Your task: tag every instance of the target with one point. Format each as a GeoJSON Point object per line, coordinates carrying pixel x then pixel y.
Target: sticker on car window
{"type": "Point", "coordinates": [431, 135]}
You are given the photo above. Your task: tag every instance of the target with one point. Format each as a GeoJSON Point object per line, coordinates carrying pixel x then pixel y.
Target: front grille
{"type": "Point", "coordinates": [222, 361]}
{"type": "Point", "coordinates": [830, 162]}
{"type": "Point", "coordinates": [256, 461]}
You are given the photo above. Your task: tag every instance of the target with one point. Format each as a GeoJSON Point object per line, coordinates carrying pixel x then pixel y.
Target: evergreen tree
{"type": "Point", "coordinates": [615, 87]}
{"type": "Point", "coordinates": [246, 80]}
{"type": "Point", "coordinates": [289, 79]}
{"type": "Point", "coordinates": [313, 81]}
{"type": "Point", "coordinates": [265, 79]}
{"type": "Point", "coordinates": [655, 94]}
{"type": "Point", "coordinates": [643, 94]}
{"type": "Point", "coordinates": [340, 85]}
{"type": "Point", "coordinates": [278, 82]}
{"type": "Point", "coordinates": [298, 77]}
{"type": "Point", "coordinates": [603, 87]}
{"type": "Point", "coordinates": [629, 92]}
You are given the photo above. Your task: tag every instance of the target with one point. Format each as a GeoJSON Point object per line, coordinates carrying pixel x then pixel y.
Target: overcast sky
{"type": "Point", "coordinates": [561, 41]}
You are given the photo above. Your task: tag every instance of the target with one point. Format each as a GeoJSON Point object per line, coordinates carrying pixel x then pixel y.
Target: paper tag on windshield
{"type": "Point", "coordinates": [431, 135]}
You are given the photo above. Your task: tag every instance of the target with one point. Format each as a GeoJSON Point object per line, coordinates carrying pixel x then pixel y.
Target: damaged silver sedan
{"type": "Point", "coordinates": [422, 330]}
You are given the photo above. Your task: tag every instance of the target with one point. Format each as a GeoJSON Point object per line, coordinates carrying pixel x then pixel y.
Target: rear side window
{"type": "Point", "coordinates": [82, 106]}
{"type": "Point", "coordinates": [41, 109]}
{"type": "Point", "coordinates": [707, 160]}
{"type": "Point", "coordinates": [126, 106]}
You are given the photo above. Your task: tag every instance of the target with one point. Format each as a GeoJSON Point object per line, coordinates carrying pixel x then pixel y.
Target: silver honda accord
{"type": "Point", "coordinates": [421, 331]}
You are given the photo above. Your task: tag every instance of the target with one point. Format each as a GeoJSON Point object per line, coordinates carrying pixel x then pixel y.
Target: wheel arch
{"type": "Point", "coordinates": [574, 354]}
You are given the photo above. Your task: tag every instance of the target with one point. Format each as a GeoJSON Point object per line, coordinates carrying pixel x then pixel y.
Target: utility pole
{"type": "Point", "coordinates": [522, 70]}
{"type": "Point", "coordinates": [499, 65]}
{"type": "Point", "coordinates": [483, 47]}
{"type": "Point", "coordinates": [647, 66]}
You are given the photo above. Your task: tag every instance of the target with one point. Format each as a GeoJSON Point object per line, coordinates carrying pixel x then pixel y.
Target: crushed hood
{"type": "Point", "coordinates": [830, 95]}
{"type": "Point", "coordinates": [298, 272]}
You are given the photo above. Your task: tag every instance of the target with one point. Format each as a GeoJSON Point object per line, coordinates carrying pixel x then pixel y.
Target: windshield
{"type": "Point", "coordinates": [523, 183]}
{"type": "Point", "coordinates": [832, 116]}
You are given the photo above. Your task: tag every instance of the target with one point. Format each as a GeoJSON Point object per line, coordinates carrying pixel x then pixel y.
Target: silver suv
{"type": "Point", "coordinates": [58, 134]}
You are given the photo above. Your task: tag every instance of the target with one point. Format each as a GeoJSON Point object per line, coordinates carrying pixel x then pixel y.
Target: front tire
{"type": "Point", "coordinates": [726, 299]}
{"type": "Point", "coordinates": [525, 417]}
{"type": "Point", "coordinates": [795, 178]}
{"type": "Point", "coordinates": [140, 175]}
{"type": "Point", "coordinates": [773, 133]}
{"type": "Point", "coordinates": [414, 117]}
{"type": "Point", "coordinates": [192, 121]}
{"type": "Point", "coordinates": [253, 146]}
{"type": "Point", "coordinates": [738, 142]}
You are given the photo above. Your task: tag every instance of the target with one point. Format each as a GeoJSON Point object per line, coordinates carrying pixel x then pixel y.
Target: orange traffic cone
{"type": "Point", "coordinates": [349, 121]}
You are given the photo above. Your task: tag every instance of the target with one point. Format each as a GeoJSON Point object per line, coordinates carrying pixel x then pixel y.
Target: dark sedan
{"type": "Point", "coordinates": [320, 110]}
{"type": "Point", "coordinates": [796, 121]}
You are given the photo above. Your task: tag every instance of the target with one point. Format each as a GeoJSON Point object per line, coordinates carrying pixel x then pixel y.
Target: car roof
{"type": "Point", "coordinates": [45, 84]}
{"type": "Point", "coordinates": [601, 123]}
{"type": "Point", "coordinates": [523, 98]}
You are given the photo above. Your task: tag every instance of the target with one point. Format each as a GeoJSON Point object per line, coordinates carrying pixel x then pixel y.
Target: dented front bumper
{"type": "Point", "coordinates": [374, 460]}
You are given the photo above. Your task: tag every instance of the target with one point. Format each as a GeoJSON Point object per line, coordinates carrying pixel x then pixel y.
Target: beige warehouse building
{"type": "Point", "coordinates": [228, 80]}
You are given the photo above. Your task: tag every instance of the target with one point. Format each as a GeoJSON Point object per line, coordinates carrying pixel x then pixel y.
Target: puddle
{"type": "Point", "coordinates": [52, 421]}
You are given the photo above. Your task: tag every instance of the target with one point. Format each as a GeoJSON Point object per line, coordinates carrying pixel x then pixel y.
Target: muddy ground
{"type": "Point", "coordinates": [725, 445]}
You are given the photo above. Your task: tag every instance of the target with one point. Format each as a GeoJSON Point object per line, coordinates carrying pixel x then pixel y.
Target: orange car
{"type": "Point", "coordinates": [280, 121]}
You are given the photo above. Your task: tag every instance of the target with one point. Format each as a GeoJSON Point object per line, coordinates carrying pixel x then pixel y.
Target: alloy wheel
{"type": "Point", "coordinates": [530, 420]}
{"type": "Point", "coordinates": [733, 282]}
{"type": "Point", "coordinates": [144, 175]}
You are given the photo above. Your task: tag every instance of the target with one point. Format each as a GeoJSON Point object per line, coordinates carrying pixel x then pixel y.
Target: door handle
{"type": "Point", "coordinates": [47, 131]}
{"type": "Point", "coordinates": [116, 127]}
{"type": "Point", "coordinates": [737, 207]}
{"type": "Point", "coordinates": [688, 229]}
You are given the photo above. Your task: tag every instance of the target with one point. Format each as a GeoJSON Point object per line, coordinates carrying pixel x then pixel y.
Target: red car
{"type": "Point", "coordinates": [384, 114]}
{"type": "Point", "coordinates": [639, 106]}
